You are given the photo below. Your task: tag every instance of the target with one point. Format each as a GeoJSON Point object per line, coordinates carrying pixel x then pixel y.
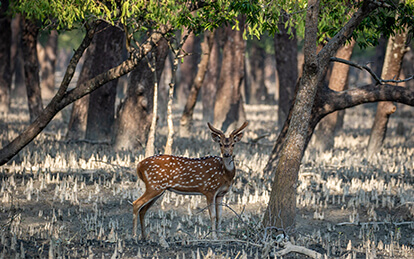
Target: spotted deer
{"type": "Point", "coordinates": [211, 176]}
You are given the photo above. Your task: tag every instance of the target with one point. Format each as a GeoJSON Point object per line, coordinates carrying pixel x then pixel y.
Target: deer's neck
{"type": "Point", "coordinates": [228, 163]}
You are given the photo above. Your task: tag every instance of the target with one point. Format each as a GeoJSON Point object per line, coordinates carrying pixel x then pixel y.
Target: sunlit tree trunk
{"type": "Point", "coordinates": [396, 49]}
{"type": "Point", "coordinates": [101, 110]}
{"type": "Point", "coordinates": [209, 87]}
{"type": "Point", "coordinates": [187, 116]}
{"type": "Point", "coordinates": [31, 68]}
{"type": "Point", "coordinates": [228, 108]}
{"type": "Point", "coordinates": [5, 47]}
{"type": "Point", "coordinates": [338, 81]}
{"type": "Point", "coordinates": [135, 112]}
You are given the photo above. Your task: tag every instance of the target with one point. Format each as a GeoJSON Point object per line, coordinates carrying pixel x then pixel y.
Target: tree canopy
{"type": "Point", "coordinates": [261, 16]}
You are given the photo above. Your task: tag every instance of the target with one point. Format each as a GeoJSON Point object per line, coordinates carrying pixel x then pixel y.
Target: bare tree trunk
{"type": "Point", "coordinates": [286, 53]}
{"type": "Point", "coordinates": [408, 66]}
{"type": "Point", "coordinates": [16, 59]}
{"type": "Point", "coordinates": [101, 111]}
{"type": "Point", "coordinates": [188, 67]}
{"type": "Point", "coordinates": [79, 115]}
{"type": "Point", "coordinates": [396, 49]}
{"type": "Point", "coordinates": [47, 56]}
{"type": "Point", "coordinates": [5, 48]}
{"type": "Point", "coordinates": [338, 81]}
{"type": "Point", "coordinates": [135, 112]}
{"type": "Point", "coordinates": [209, 86]}
{"type": "Point", "coordinates": [187, 116]}
{"type": "Point", "coordinates": [229, 109]}
{"type": "Point", "coordinates": [255, 90]}
{"type": "Point", "coordinates": [31, 68]}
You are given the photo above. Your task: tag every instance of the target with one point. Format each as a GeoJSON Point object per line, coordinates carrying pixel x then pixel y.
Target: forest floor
{"type": "Point", "coordinates": [73, 199]}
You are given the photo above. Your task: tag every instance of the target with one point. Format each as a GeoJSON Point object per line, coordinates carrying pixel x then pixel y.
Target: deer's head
{"type": "Point", "coordinates": [227, 143]}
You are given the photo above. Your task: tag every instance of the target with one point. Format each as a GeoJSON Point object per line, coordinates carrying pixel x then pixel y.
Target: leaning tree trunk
{"type": "Point", "coordinates": [187, 116]}
{"type": "Point", "coordinates": [135, 112]}
{"type": "Point", "coordinates": [286, 53]}
{"type": "Point", "coordinates": [31, 68]}
{"type": "Point", "coordinates": [281, 210]}
{"type": "Point", "coordinates": [209, 87]}
{"type": "Point", "coordinates": [101, 110]}
{"type": "Point", "coordinates": [390, 70]}
{"type": "Point", "coordinates": [229, 109]}
{"type": "Point", "coordinates": [5, 45]}
{"type": "Point", "coordinates": [338, 81]}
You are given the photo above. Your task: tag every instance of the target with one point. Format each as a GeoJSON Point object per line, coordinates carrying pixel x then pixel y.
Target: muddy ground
{"type": "Point", "coordinates": [73, 199]}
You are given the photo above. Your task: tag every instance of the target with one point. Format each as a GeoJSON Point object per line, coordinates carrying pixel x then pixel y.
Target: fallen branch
{"type": "Point", "coordinates": [289, 248]}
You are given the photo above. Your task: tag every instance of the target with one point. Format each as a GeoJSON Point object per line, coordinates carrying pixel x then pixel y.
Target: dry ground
{"type": "Point", "coordinates": [61, 199]}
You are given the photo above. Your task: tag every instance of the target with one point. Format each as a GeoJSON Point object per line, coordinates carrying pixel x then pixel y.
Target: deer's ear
{"type": "Point", "coordinates": [238, 137]}
{"type": "Point", "coordinates": [215, 137]}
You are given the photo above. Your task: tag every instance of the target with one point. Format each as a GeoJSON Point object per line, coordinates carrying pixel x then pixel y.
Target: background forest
{"type": "Point", "coordinates": [90, 88]}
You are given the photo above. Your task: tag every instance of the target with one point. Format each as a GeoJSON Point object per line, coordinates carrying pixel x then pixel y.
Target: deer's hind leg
{"type": "Point", "coordinates": [141, 205]}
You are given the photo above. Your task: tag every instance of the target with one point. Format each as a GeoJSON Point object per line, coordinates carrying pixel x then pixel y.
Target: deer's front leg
{"type": "Point", "coordinates": [219, 209]}
{"type": "Point", "coordinates": [211, 203]}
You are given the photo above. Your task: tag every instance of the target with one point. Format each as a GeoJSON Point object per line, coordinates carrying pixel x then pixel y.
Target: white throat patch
{"type": "Point", "coordinates": [228, 163]}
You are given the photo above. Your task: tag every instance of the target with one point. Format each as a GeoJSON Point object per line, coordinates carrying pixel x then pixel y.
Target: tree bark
{"type": "Point", "coordinates": [256, 91]}
{"type": "Point", "coordinates": [79, 114]}
{"type": "Point", "coordinates": [5, 46]}
{"type": "Point", "coordinates": [135, 112]}
{"type": "Point", "coordinates": [286, 54]}
{"type": "Point", "coordinates": [209, 87]}
{"type": "Point", "coordinates": [48, 55]}
{"type": "Point", "coordinates": [338, 81]}
{"type": "Point", "coordinates": [101, 110]}
{"type": "Point", "coordinates": [391, 70]}
{"type": "Point", "coordinates": [31, 68]}
{"type": "Point", "coordinates": [188, 67]}
{"type": "Point", "coordinates": [281, 210]}
{"type": "Point", "coordinates": [229, 109]}
{"type": "Point", "coordinates": [187, 116]}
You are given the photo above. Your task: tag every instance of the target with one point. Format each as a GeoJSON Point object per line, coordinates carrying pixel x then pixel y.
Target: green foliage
{"type": "Point", "coordinates": [262, 17]}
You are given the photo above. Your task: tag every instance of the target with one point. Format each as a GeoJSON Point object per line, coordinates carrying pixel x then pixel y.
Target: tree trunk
{"type": "Point", "coordinates": [228, 109]}
{"type": "Point", "coordinates": [209, 87]}
{"type": "Point", "coordinates": [187, 117]}
{"type": "Point", "coordinates": [338, 81]}
{"type": "Point", "coordinates": [281, 210]}
{"type": "Point", "coordinates": [5, 45]}
{"type": "Point", "coordinates": [79, 115]}
{"type": "Point", "coordinates": [31, 68]}
{"type": "Point", "coordinates": [286, 53]}
{"type": "Point", "coordinates": [48, 55]}
{"type": "Point", "coordinates": [16, 59]}
{"type": "Point", "coordinates": [391, 70]}
{"type": "Point", "coordinates": [188, 67]}
{"type": "Point", "coordinates": [256, 91]}
{"type": "Point", "coordinates": [408, 67]}
{"type": "Point", "coordinates": [101, 110]}
{"type": "Point", "coordinates": [135, 112]}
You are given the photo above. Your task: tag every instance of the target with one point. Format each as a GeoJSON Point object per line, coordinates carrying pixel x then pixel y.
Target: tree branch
{"type": "Point", "coordinates": [334, 101]}
{"type": "Point", "coordinates": [377, 79]}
